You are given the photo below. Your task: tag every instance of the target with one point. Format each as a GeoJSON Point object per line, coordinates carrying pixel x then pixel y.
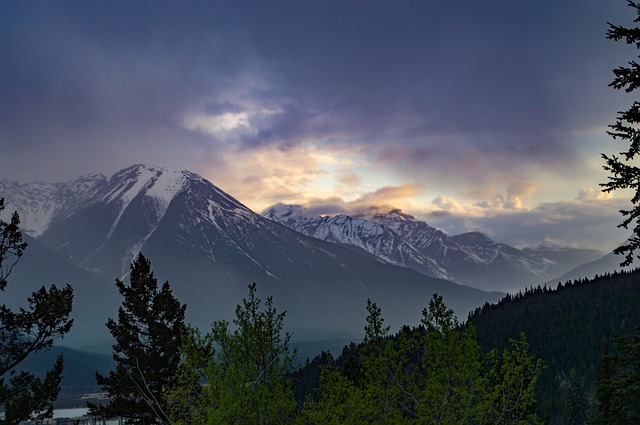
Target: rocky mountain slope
{"type": "Point", "coordinates": [211, 247]}
{"type": "Point", "coordinates": [471, 258]}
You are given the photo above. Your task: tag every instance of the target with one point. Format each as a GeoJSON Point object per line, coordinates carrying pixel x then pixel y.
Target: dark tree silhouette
{"type": "Point", "coordinates": [25, 331]}
{"type": "Point", "coordinates": [623, 173]}
{"type": "Point", "coordinates": [148, 334]}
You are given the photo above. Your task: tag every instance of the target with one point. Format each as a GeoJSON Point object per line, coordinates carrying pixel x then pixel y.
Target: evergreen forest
{"type": "Point", "coordinates": [570, 328]}
{"type": "Point", "coordinates": [564, 355]}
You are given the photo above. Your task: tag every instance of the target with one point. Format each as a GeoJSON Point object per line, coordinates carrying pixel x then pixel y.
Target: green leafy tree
{"type": "Point", "coordinates": [449, 384]}
{"type": "Point", "coordinates": [187, 400]}
{"type": "Point", "coordinates": [340, 401]}
{"type": "Point", "coordinates": [25, 331]}
{"type": "Point", "coordinates": [371, 388]}
{"type": "Point", "coordinates": [433, 374]}
{"type": "Point", "coordinates": [383, 363]}
{"type": "Point", "coordinates": [148, 336]}
{"type": "Point", "coordinates": [237, 376]}
{"type": "Point", "coordinates": [513, 377]}
{"type": "Point", "coordinates": [624, 174]}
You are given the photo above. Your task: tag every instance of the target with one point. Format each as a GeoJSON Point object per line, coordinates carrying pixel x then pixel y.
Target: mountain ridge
{"type": "Point", "coordinates": [470, 258]}
{"type": "Point", "coordinates": [210, 247]}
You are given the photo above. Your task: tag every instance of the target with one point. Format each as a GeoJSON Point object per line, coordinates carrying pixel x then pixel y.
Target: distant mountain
{"type": "Point", "coordinates": [471, 258]}
{"type": "Point", "coordinates": [568, 326]}
{"type": "Point", "coordinates": [79, 375]}
{"type": "Point", "coordinates": [360, 234]}
{"type": "Point", "coordinates": [606, 264]}
{"type": "Point", "coordinates": [210, 247]}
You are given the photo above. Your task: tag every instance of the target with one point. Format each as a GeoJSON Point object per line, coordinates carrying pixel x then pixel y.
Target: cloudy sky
{"type": "Point", "coordinates": [472, 115]}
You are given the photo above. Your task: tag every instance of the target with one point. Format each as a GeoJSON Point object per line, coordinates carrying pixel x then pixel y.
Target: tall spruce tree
{"type": "Point", "coordinates": [24, 396]}
{"type": "Point", "coordinates": [618, 388]}
{"type": "Point", "coordinates": [624, 172]}
{"type": "Point", "coordinates": [148, 334]}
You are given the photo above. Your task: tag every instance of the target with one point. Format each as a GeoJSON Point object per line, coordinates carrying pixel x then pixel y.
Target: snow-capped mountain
{"type": "Point", "coordinates": [39, 203]}
{"type": "Point", "coordinates": [471, 258]}
{"type": "Point", "coordinates": [210, 247]}
{"type": "Point", "coordinates": [359, 234]}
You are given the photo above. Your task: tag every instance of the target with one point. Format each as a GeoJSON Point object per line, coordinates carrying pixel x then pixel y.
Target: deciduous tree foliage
{"type": "Point", "coordinates": [624, 174]}
{"type": "Point", "coordinates": [434, 374]}
{"type": "Point", "coordinates": [513, 377]}
{"type": "Point", "coordinates": [148, 336]}
{"type": "Point", "coordinates": [449, 385]}
{"type": "Point", "coordinates": [27, 330]}
{"type": "Point", "coordinates": [239, 374]}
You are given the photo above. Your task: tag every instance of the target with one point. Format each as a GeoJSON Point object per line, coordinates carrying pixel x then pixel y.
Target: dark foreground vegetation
{"type": "Point", "coordinates": [569, 327]}
{"type": "Point", "coordinates": [578, 330]}
{"type": "Point", "coordinates": [244, 372]}
{"type": "Point", "coordinates": [570, 354]}
{"type": "Point", "coordinates": [442, 371]}
{"type": "Point", "coordinates": [28, 330]}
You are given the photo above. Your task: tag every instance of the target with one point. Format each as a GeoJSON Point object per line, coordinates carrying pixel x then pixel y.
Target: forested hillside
{"type": "Point", "coordinates": [567, 326]}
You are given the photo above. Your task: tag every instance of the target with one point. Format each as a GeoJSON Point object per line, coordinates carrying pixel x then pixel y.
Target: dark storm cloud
{"type": "Point", "coordinates": [86, 84]}
{"type": "Point", "coordinates": [100, 83]}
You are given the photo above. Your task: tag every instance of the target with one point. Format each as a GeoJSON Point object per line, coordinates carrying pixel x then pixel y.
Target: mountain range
{"type": "Point", "coordinates": [210, 247]}
{"type": "Point", "coordinates": [471, 258]}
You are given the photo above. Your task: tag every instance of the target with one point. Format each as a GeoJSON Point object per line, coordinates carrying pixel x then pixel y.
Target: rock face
{"type": "Point", "coordinates": [211, 247]}
{"type": "Point", "coordinates": [471, 259]}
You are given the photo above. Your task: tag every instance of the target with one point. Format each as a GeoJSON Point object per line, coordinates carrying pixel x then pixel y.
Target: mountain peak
{"type": "Point", "coordinates": [395, 214]}
{"type": "Point", "coordinates": [473, 238]}
{"type": "Point", "coordinates": [160, 183]}
{"type": "Point", "coordinates": [282, 211]}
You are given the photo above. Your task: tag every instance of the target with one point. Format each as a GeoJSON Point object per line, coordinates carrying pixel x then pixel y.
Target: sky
{"type": "Point", "coordinates": [470, 115]}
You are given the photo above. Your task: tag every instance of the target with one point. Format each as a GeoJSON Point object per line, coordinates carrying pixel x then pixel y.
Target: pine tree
{"type": "Point", "coordinates": [26, 331]}
{"type": "Point", "coordinates": [579, 404]}
{"type": "Point", "coordinates": [148, 335]}
{"type": "Point", "coordinates": [618, 389]}
{"type": "Point", "coordinates": [624, 174]}
{"type": "Point", "coordinates": [607, 404]}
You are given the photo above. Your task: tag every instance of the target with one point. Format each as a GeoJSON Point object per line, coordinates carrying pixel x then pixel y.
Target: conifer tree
{"type": "Point", "coordinates": [148, 336]}
{"type": "Point", "coordinates": [618, 389]}
{"type": "Point", "coordinates": [24, 396]}
{"type": "Point", "coordinates": [624, 173]}
{"type": "Point", "coordinates": [607, 405]}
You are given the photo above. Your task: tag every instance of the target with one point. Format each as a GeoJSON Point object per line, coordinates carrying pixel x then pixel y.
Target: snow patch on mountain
{"type": "Point", "coordinates": [281, 211]}
{"type": "Point", "coordinates": [166, 185]}
{"type": "Point", "coordinates": [369, 236]}
{"type": "Point", "coordinates": [39, 203]}
{"type": "Point", "coordinates": [398, 238]}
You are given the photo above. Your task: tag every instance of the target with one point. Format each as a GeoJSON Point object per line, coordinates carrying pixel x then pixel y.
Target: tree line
{"type": "Point", "coordinates": [441, 371]}
{"type": "Point", "coordinates": [569, 327]}
{"type": "Point", "coordinates": [243, 372]}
